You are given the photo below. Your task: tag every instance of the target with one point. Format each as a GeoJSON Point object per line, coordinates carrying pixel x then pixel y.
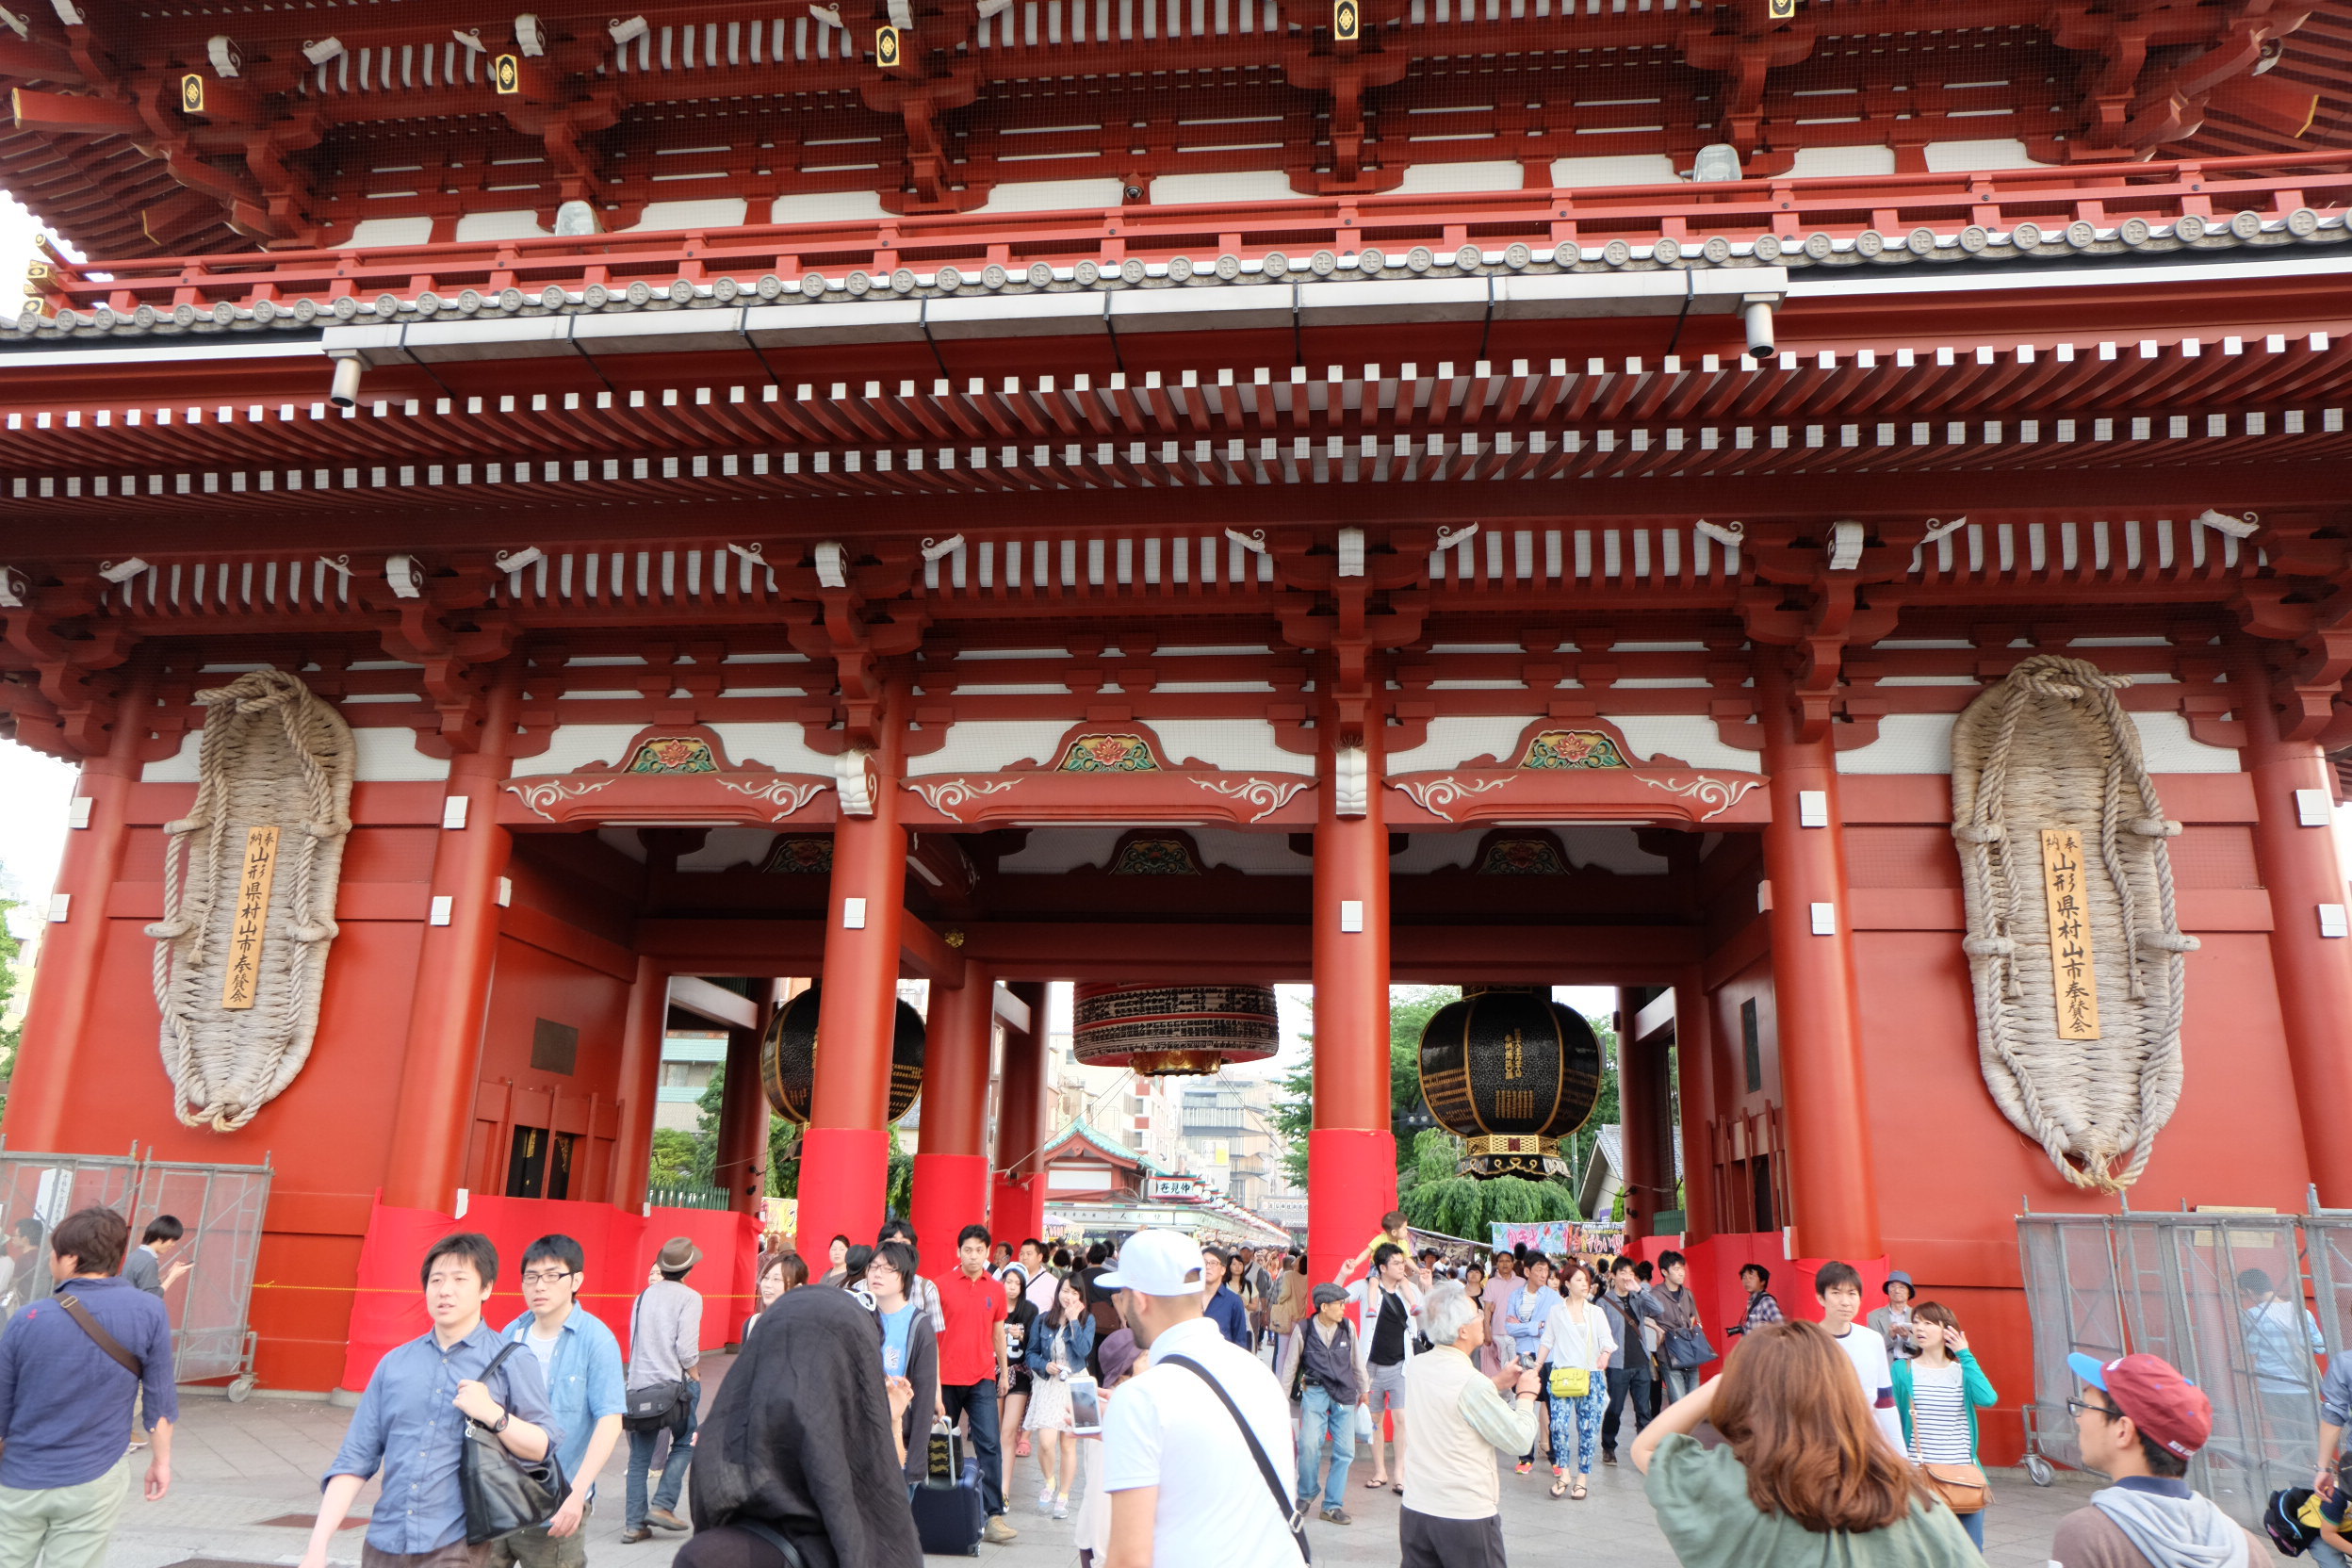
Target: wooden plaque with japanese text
{"type": "Point", "coordinates": [242, 981]}
{"type": "Point", "coordinates": [2075, 979]}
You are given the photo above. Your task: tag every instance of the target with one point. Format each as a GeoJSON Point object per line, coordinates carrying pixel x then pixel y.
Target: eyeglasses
{"type": "Point", "coordinates": [545, 1278]}
{"type": "Point", "coordinates": [2085, 1407]}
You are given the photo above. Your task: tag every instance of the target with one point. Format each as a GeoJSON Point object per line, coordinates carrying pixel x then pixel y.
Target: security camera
{"type": "Point", "coordinates": [1135, 193]}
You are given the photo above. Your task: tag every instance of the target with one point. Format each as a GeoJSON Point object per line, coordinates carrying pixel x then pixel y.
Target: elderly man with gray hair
{"type": "Point", "coordinates": [1452, 1513]}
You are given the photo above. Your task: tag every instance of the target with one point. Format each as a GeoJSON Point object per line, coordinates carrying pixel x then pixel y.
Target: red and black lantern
{"type": "Point", "coordinates": [788, 1058]}
{"type": "Point", "coordinates": [1510, 1072]}
{"type": "Point", "coordinates": [1170, 1031]}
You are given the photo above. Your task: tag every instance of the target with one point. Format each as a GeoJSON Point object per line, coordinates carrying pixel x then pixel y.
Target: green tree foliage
{"type": "Point", "coordinates": [673, 1161]}
{"type": "Point", "coordinates": [900, 1193]}
{"type": "Point", "coordinates": [707, 1112]}
{"type": "Point", "coordinates": [1408, 1009]}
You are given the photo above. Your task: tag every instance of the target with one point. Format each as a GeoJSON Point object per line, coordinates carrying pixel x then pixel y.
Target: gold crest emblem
{"type": "Point", "coordinates": [507, 72]}
{"type": "Point", "coordinates": [885, 47]}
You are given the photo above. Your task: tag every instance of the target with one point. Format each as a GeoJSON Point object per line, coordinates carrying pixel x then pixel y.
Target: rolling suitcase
{"type": "Point", "coordinates": [948, 1512]}
{"type": "Point", "coordinates": [949, 1519]}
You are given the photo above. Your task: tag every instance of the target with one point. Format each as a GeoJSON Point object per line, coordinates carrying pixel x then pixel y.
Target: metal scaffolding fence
{"type": "Point", "coordinates": [221, 1207]}
{"type": "Point", "coordinates": [2223, 1296]}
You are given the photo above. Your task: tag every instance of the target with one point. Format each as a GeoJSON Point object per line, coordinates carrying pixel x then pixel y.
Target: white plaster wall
{"type": "Point", "coordinates": [1847, 161]}
{"type": "Point", "coordinates": [1238, 744]}
{"type": "Point", "coordinates": [576, 745]}
{"type": "Point", "coordinates": [708, 212]}
{"type": "Point", "coordinates": [1427, 179]}
{"type": "Point", "coordinates": [1619, 169]}
{"type": "Point", "coordinates": [1453, 741]}
{"type": "Point", "coordinates": [1267, 184]}
{"type": "Point", "coordinates": [989, 745]}
{"type": "Point", "coordinates": [1692, 737]}
{"type": "Point", "coordinates": [1922, 743]}
{"type": "Point", "coordinates": [1053, 195]}
{"type": "Point", "coordinates": [1962, 158]}
{"type": "Point", "coordinates": [827, 207]}
{"type": "Point", "coordinates": [782, 746]}
{"type": "Point", "coordinates": [380, 756]}
{"type": "Point", "coordinates": [391, 231]}
{"type": "Point", "coordinates": [522, 224]}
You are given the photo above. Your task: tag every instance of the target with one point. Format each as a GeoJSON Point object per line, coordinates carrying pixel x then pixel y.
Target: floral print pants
{"type": "Point", "coordinates": [1582, 1418]}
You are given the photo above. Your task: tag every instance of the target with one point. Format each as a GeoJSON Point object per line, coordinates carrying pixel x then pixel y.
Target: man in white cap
{"type": "Point", "coordinates": [1189, 1445]}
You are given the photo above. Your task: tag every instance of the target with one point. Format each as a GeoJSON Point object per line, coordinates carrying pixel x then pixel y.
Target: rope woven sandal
{"type": "Point", "coordinates": [274, 754]}
{"type": "Point", "coordinates": [2052, 747]}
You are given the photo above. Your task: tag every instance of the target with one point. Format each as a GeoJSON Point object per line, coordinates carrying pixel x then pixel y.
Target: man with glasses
{"type": "Point", "coordinates": [580, 1359]}
{"type": "Point", "coordinates": [2141, 1422]}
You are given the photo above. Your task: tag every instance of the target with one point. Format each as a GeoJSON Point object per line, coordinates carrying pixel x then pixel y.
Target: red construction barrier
{"type": "Point", "coordinates": [389, 1308]}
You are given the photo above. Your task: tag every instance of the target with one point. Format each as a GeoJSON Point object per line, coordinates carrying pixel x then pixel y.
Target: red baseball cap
{"type": "Point", "coordinates": [2151, 1391]}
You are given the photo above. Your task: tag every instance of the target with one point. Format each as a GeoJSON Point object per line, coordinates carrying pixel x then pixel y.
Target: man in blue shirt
{"type": "Point", "coordinates": [1522, 1326]}
{"type": "Point", "coordinates": [411, 1423]}
{"type": "Point", "coordinates": [1219, 1305]}
{"type": "Point", "coordinates": [581, 1362]}
{"type": "Point", "coordinates": [65, 1401]}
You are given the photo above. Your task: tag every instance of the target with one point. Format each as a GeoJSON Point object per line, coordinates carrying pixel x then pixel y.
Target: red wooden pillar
{"type": "Point", "coordinates": [1352, 1154]}
{"type": "Point", "coordinates": [1831, 1194]}
{"type": "Point", "coordinates": [952, 1166]}
{"type": "Point", "coordinates": [743, 1151]}
{"type": "Point", "coordinates": [1640, 1113]}
{"type": "Point", "coordinates": [2313, 972]}
{"type": "Point", "coordinates": [844, 1163]}
{"type": "Point", "coordinates": [642, 1035]}
{"type": "Point", "coordinates": [1017, 1206]}
{"type": "Point", "coordinates": [435, 1110]}
{"type": "Point", "coordinates": [65, 983]}
{"type": "Point", "coordinates": [1694, 1059]}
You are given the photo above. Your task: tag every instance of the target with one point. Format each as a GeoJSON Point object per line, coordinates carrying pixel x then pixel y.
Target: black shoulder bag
{"type": "Point", "coordinates": [502, 1490]}
{"type": "Point", "coordinates": [1293, 1514]}
{"type": "Point", "coordinates": [654, 1407]}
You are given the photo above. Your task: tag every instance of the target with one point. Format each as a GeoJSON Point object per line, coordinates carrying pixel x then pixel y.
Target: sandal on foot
{"type": "Point", "coordinates": [1576, 1492]}
{"type": "Point", "coordinates": [1376, 1483]}
{"type": "Point", "coordinates": [1560, 1486]}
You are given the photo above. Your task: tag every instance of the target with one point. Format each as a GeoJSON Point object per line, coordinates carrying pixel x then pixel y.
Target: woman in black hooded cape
{"type": "Point", "coordinates": [799, 1440]}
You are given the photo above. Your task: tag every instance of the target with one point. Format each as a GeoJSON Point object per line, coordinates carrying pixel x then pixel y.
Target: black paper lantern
{"type": "Point", "coordinates": [1511, 1072]}
{"type": "Point", "coordinates": [788, 1058]}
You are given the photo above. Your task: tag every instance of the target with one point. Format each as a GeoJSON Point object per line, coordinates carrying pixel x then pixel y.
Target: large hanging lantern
{"type": "Point", "coordinates": [1170, 1031]}
{"type": "Point", "coordinates": [788, 1058]}
{"type": "Point", "coordinates": [1510, 1072]}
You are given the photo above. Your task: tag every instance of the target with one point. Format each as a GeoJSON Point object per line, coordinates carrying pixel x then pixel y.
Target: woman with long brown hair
{"type": "Point", "coordinates": [1804, 1480]}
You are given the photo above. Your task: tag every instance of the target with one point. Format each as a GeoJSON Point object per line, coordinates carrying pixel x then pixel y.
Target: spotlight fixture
{"type": "Point", "coordinates": [516, 561]}
{"type": "Point", "coordinates": [124, 570]}
{"type": "Point", "coordinates": [320, 51]}
{"type": "Point", "coordinates": [222, 51]}
{"type": "Point", "coordinates": [627, 31]}
{"type": "Point", "coordinates": [345, 390]}
{"type": "Point", "coordinates": [530, 37]}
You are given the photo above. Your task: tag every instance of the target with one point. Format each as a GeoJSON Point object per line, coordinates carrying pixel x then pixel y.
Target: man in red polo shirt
{"type": "Point", "coordinates": [974, 1370]}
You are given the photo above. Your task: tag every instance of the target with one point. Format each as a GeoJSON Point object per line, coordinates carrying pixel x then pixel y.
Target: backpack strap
{"type": "Point", "coordinates": [71, 1306]}
{"type": "Point", "coordinates": [1282, 1504]}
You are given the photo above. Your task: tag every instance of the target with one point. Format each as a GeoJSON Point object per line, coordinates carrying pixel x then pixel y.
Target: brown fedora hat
{"type": "Point", "coordinates": [679, 1252]}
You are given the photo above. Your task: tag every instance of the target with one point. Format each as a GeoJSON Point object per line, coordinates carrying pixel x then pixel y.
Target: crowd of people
{"type": "Point", "coordinates": [1181, 1403]}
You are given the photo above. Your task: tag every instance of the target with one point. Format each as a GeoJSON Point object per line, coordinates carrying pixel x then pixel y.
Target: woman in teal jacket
{"type": "Point", "coordinates": [1938, 1393]}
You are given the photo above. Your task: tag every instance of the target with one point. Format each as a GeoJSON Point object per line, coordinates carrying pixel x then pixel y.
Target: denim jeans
{"type": "Point", "coordinates": [1679, 1382]}
{"type": "Point", "coordinates": [640, 1446]}
{"type": "Point", "coordinates": [1974, 1525]}
{"type": "Point", "coordinates": [1325, 1423]}
{"type": "Point", "coordinates": [1582, 1416]}
{"type": "Point", "coordinates": [976, 1402]}
{"type": "Point", "coordinates": [1624, 1381]}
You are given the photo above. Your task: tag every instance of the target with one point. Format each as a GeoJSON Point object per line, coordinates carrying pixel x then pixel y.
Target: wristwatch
{"type": "Point", "coordinates": [504, 1416]}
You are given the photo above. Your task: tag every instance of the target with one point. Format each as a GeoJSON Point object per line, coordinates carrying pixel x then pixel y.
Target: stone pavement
{"type": "Point", "coordinates": [239, 1468]}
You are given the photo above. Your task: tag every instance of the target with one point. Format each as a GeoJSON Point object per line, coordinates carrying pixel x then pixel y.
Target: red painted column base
{"type": "Point", "coordinates": [951, 1192]}
{"type": "Point", "coordinates": [1352, 1182]}
{"type": "Point", "coordinates": [1016, 1208]}
{"type": "Point", "coordinates": [844, 1187]}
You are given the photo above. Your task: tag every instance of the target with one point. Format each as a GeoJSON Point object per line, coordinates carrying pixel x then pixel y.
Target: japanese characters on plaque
{"type": "Point", "coordinates": [2071, 967]}
{"type": "Point", "coordinates": [241, 984]}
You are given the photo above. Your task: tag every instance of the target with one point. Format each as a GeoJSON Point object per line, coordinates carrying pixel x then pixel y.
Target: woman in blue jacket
{"type": "Point", "coordinates": [1058, 1345]}
{"type": "Point", "coordinates": [1938, 1393]}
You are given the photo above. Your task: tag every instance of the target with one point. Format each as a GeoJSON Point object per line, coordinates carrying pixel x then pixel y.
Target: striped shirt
{"type": "Point", "coordinates": [1939, 1415]}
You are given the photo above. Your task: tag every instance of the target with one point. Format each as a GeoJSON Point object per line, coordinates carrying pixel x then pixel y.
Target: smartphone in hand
{"type": "Point", "coordinates": [1085, 1406]}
